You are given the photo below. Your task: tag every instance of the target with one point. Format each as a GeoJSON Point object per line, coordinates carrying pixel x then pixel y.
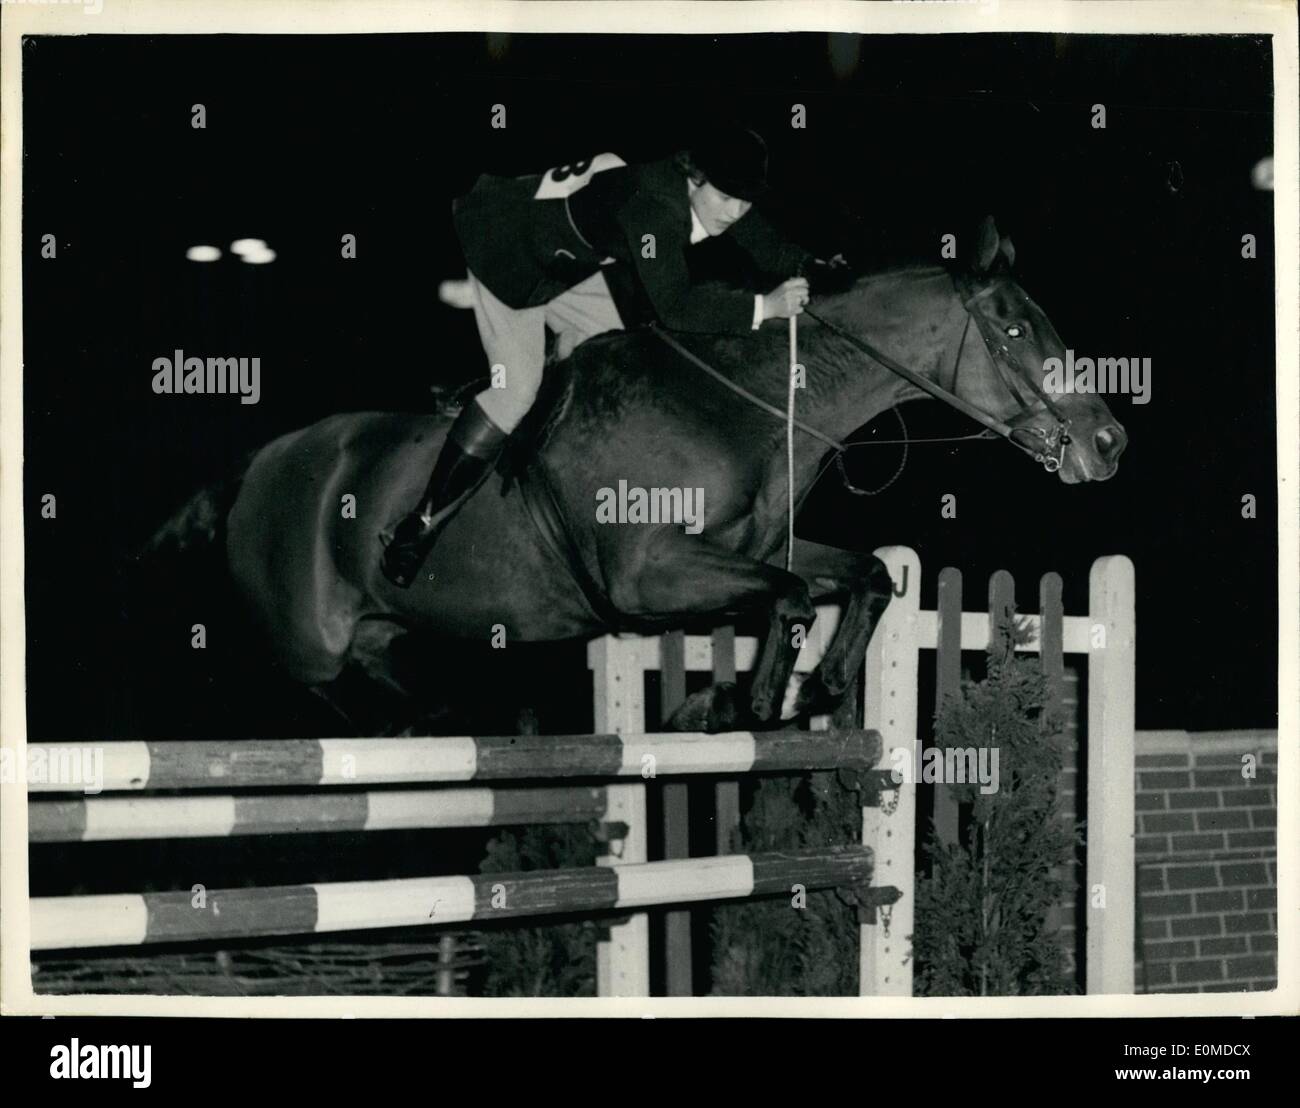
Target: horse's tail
{"type": "Point", "coordinates": [200, 521]}
{"type": "Point", "coordinates": [175, 578]}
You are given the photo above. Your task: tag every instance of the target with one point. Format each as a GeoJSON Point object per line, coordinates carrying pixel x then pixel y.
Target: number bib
{"type": "Point", "coordinates": [565, 180]}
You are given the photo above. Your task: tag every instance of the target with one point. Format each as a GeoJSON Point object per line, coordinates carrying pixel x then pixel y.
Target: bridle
{"type": "Point", "coordinates": [1012, 374]}
{"type": "Point", "coordinates": [1048, 449]}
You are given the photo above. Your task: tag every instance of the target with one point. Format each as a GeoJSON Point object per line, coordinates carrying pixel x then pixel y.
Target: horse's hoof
{"type": "Point", "coordinates": [814, 698]}
{"type": "Point", "coordinates": [717, 708]}
{"type": "Point", "coordinates": [399, 576]}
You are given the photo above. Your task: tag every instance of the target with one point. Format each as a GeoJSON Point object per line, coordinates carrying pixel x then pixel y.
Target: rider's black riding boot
{"type": "Point", "coordinates": [473, 445]}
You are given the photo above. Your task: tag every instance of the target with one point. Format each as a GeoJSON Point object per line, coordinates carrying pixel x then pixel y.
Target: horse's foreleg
{"type": "Point", "coordinates": [864, 579]}
{"type": "Point", "coordinates": [685, 575]}
{"type": "Point", "coordinates": [790, 621]}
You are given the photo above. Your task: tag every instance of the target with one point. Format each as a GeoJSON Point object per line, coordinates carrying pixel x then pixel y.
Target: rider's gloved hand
{"type": "Point", "coordinates": [787, 299]}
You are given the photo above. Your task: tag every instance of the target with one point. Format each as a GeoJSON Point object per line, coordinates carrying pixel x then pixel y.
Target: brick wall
{"type": "Point", "coordinates": [1206, 861]}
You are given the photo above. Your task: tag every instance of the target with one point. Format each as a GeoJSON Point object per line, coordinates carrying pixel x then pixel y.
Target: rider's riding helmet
{"type": "Point", "coordinates": [733, 159]}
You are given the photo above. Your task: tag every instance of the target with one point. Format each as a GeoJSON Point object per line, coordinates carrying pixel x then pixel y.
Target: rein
{"type": "Point", "coordinates": [1045, 447]}
{"type": "Point", "coordinates": [1049, 454]}
{"type": "Point", "coordinates": [922, 383]}
{"type": "Point", "coordinates": [743, 392]}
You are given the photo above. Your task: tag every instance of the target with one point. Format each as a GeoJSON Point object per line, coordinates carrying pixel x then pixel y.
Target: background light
{"type": "Point", "coordinates": [253, 251]}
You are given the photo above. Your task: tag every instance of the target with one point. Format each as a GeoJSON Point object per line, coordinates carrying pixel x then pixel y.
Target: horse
{"type": "Point", "coordinates": [532, 557]}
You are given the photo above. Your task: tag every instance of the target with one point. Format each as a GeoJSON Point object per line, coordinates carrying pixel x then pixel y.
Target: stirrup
{"type": "Point", "coordinates": [420, 546]}
{"type": "Point", "coordinates": [387, 535]}
{"type": "Point", "coordinates": [401, 564]}
{"type": "Point", "coordinates": [412, 558]}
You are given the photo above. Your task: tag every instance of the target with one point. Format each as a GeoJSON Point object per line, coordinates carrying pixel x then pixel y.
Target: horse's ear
{"type": "Point", "coordinates": [986, 245]}
{"type": "Point", "coordinates": [1008, 251]}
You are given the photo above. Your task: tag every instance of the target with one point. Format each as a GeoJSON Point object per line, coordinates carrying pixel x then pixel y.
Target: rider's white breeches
{"type": "Point", "coordinates": [514, 340]}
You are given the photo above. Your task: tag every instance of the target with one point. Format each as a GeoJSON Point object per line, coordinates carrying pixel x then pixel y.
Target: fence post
{"type": "Point", "coordinates": [677, 818]}
{"type": "Point", "coordinates": [1002, 603]}
{"type": "Point", "coordinates": [618, 687]}
{"type": "Point", "coordinates": [1111, 721]}
{"type": "Point", "coordinates": [726, 793]}
{"type": "Point", "coordinates": [890, 697]}
{"type": "Point", "coordinates": [947, 663]}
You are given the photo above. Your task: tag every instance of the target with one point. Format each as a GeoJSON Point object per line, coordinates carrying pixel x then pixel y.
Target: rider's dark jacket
{"type": "Point", "coordinates": [528, 245]}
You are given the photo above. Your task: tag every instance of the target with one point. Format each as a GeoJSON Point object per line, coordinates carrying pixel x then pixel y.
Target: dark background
{"type": "Point", "coordinates": [1129, 237]}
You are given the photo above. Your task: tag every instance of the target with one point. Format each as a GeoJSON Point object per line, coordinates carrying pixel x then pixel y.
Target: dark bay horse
{"type": "Point", "coordinates": [636, 409]}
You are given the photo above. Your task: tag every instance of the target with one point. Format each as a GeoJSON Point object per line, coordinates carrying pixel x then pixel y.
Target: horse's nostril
{"type": "Point", "coordinates": [1110, 442]}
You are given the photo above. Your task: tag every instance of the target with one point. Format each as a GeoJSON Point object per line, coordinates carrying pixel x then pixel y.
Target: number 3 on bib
{"type": "Point", "coordinates": [565, 180]}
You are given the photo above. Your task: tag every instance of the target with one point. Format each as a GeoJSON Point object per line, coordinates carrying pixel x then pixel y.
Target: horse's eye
{"type": "Point", "coordinates": [1015, 331]}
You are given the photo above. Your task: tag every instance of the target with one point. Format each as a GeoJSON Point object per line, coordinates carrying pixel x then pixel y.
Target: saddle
{"type": "Point", "coordinates": [528, 440]}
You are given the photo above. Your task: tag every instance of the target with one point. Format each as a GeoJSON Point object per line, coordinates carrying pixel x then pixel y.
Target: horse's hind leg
{"type": "Point", "coordinates": [831, 572]}
{"type": "Point", "coordinates": [367, 694]}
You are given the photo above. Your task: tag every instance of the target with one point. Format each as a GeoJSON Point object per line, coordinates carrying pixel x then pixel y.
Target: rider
{"type": "Point", "coordinates": [536, 249]}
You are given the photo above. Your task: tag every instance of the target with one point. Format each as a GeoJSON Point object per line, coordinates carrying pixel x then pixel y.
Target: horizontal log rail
{"type": "Point", "coordinates": [109, 818]}
{"type": "Point", "coordinates": [290, 763]}
{"type": "Point", "coordinates": [138, 918]}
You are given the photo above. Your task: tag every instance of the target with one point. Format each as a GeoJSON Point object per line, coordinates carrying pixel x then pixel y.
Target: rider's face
{"type": "Point", "coordinates": [716, 210]}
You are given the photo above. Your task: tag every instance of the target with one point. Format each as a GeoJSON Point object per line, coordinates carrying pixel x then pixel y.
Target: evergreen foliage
{"type": "Point", "coordinates": [766, 947]}
{"type": "Point", "coordinates": [550, 959]}
{"type": "Point", "coordinates": [983, 913]}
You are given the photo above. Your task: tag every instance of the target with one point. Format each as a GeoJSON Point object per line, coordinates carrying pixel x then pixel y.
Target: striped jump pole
{"type": "Point", "coordinates": [138, 918]}
{"type": "Point", "coordinates": [134, 766]}
{"type": "Point", "coordinates": [97, 819]}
